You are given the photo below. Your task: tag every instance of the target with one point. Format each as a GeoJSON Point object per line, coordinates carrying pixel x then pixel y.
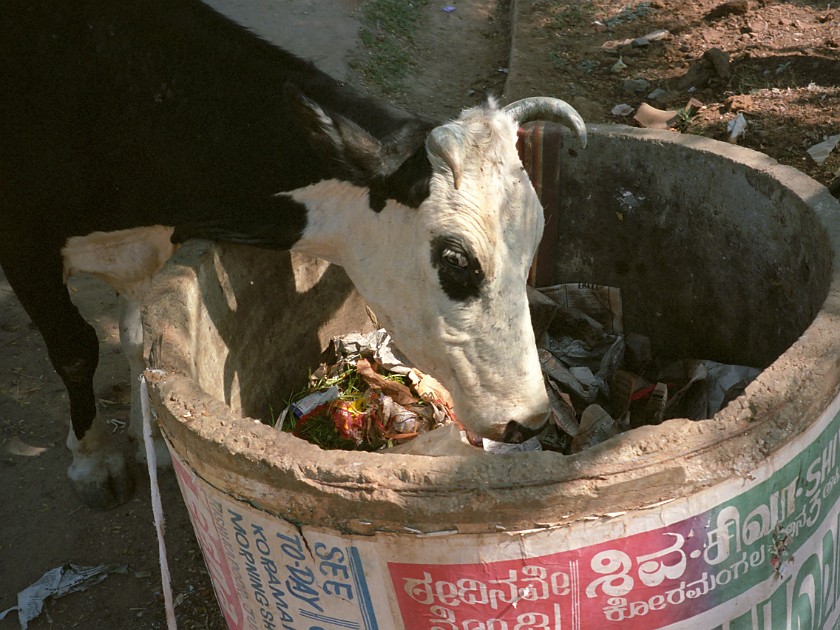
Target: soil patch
{"type": "Point", "coordinates": [776, 62]}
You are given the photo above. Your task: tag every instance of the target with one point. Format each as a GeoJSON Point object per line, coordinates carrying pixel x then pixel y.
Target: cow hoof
{"type": "Point", "coordinates": [103, 481]}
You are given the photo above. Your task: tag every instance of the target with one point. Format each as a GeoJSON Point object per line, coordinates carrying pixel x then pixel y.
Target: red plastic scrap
{"type": "Point", "coordinates": [348, 419]}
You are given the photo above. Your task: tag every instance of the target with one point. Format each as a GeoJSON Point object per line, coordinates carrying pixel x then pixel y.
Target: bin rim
{"type": "Point", "coordinates": [364, 492]}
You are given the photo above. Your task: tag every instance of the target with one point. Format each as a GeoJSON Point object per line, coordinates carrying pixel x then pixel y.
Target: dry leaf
{"type": "Point", "coordinates": [399, 392]}
{"type": "Point", "coordinates": [429, 388]}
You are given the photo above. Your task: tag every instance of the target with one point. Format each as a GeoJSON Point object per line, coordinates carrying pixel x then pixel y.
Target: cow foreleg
{"type": "Point", "coordinates": [99, 472]}
{"type": "Point", "coordinates": [131, 338]}
{"type": "Point", "coordinates": [126, 260]}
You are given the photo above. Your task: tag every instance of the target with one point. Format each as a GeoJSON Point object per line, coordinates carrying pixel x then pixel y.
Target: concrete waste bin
{"type": "Point", "coordinates": [731, 522]}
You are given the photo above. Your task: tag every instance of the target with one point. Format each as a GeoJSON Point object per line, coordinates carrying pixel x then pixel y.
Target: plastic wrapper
{"type": "Point", "coordinates": [309, 405]}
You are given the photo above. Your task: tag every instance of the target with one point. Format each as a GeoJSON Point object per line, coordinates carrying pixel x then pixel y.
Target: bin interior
{"type": "Point", "coordinates": [715, 260]}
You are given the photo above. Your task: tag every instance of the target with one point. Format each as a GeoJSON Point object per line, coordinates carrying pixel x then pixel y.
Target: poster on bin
{"type": "Point", "coordinates": [750, 554]}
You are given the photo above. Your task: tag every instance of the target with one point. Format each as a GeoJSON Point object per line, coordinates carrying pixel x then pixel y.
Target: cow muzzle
{"type": "Point", "coordinates": [516, 432]}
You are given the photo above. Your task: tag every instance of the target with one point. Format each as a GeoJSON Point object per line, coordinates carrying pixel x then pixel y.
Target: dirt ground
{"type": "Point", "coordinates": [779, 64]}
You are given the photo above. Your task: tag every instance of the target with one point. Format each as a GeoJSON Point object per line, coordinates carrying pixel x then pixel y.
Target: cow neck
{"type": "Point", "coordinates": [340, 220]}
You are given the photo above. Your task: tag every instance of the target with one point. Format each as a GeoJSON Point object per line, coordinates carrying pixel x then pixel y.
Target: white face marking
{"type": "Point", "coordinates": [469, 327]}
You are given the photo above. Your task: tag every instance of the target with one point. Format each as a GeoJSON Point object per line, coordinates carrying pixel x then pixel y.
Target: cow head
{"type": "Point", "coordinates": [446, 277]}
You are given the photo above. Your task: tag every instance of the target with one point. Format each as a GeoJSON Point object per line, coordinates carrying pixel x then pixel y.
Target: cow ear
{"type": "Point", "coordinates": [356, 152]}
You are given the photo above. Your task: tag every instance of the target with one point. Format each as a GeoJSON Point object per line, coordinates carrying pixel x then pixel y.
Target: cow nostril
{"type": "Point", "coordinates": [516, 433]}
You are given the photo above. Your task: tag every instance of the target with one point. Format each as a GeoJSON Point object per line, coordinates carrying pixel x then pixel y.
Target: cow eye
{"type": "Point", "coordinates": [454, 258]}
{"type": "Point", "coordinates": [460, 274]}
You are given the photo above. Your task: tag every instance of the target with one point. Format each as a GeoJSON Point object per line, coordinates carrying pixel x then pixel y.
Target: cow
{"type": "Point", "coordinates": [128, 127]}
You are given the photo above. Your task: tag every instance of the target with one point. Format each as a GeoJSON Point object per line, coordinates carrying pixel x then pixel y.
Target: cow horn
{"type": "Point", "coordinates": [545, 108]}
{"type": "Point", "coordinates": [445, 143]}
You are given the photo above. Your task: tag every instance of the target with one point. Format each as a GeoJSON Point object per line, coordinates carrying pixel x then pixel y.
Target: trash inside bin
{"type": "Point", "coordinates": [730, 522]}
{"type": "Point", "coordinates": [366, 396]}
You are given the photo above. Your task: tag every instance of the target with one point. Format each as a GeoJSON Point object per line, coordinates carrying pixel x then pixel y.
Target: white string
{"type": "Point", "coordinates": [157, 507]}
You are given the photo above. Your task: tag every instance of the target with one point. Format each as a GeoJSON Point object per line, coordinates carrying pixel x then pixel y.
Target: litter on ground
{"type": "Point", "coordinates": [55, 583]}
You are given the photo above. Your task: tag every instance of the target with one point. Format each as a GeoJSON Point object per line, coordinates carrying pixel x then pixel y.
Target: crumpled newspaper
{"type": "Point", "coordinates": [55, 583]}
{"type": "Point", "coordinates": [602, 381]}
{"type": "Point", "coordinates": [379, 343]}
{"type": "Point", "coordinates": [709, 386]}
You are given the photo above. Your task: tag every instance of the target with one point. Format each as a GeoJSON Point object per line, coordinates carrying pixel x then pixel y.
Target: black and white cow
{"type": "Point", "coordinates": [126, 127]}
